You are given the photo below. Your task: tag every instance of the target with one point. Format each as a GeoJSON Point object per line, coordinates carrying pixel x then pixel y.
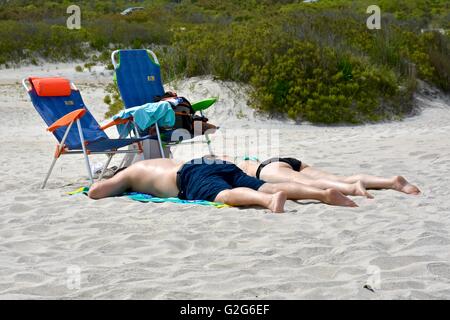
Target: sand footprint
{"type": "Point", "coordinates": [439, 269]}
{"type": "Point", "coordinates": [429, 156]}
{"type": "Point", "coordinates": [19, 208]}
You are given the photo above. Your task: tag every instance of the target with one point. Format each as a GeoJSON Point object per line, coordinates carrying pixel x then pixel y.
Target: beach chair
{"type": "Point", "coordinates": [138, 77]}
{"type": "Point", "coordinates": [60, 105]}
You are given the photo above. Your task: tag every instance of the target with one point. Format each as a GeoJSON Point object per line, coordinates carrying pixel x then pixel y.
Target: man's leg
{"type": "Point", "coordinates": [109, 188]}
{"type": "Point", "coordinates": [320, 174]}
{"type": "Point", "coordinates": [275, 174]}
{"type": "Point", "coordinates": [398, 183]}
{"type": "Point", "coordinates": [298, 191]}
{"type": "Point", "coordinates": [294, 191]}
{"type": "Point", "coordinates": [248, 197]}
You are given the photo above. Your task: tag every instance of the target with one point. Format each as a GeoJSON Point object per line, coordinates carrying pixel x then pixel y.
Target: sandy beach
{"type": "Point", "coordinates": [53, 245]}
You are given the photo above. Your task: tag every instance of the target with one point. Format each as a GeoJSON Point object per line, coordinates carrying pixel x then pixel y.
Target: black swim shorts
{"type": "Point", "coordinates": [294, 163]}
{"type": "Point", "coordinates": [201, 179]}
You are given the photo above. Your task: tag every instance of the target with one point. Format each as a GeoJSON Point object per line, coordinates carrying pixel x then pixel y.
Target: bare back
{"type": "Point", "coordinates": [156, 177]}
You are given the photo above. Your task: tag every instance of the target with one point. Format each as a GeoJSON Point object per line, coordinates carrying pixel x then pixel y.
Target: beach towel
{"type": "Point", "coordinates": [143, 197]}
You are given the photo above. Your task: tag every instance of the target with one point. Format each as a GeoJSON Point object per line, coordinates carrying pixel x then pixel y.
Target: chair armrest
{"type": "Point", "coordinates": [67, 119]}
{"type": "Point", "coordinates": [115, 123]}
{"type": "Point", "coordinates": [204, 104]}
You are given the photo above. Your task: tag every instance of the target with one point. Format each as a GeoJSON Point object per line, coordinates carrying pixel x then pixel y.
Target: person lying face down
{"type": "Point", "coordinates": [293, 170]}
{"type": "Point", "coordinates": [211, 180]}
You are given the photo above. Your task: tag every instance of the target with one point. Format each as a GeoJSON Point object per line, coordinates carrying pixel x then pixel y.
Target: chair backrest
{"type": "Point", "coordinates": [54, 103]}
{"type": "Point", "coordinates": [138, 77]}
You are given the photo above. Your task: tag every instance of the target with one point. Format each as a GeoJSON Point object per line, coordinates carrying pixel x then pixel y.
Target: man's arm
{"type": "Point", "coordinates": [115, 186]}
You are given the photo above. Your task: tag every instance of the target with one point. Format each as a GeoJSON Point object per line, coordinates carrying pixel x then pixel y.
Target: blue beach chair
{"type": "Point", "coordinates": [59, 103]}
{"type": "Point", "coordinates": [138, 76]}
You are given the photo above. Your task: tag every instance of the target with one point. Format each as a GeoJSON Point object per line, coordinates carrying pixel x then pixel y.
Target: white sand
{"type": "Point", "coordinates": [126, 249]}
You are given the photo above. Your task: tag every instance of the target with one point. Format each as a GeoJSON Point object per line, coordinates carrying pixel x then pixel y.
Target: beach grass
{"type": "Point", "coordinates": [309, 61]}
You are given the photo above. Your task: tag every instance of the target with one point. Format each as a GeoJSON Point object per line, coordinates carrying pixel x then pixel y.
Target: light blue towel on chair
{"type": "Point", "coordinates": [147, 115]}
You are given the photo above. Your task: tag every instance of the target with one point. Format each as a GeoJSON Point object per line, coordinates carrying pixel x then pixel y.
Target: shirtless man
{"type": "Point", "coordinates": [293, 170]}
{"type": "Point", "coordinates": [203, 179]}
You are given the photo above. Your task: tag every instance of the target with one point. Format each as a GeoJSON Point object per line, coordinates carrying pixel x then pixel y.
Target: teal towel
{"type": "Point", "coordinates": [147, 115]}
{"type": "Point", "coordinates": [143, 197]}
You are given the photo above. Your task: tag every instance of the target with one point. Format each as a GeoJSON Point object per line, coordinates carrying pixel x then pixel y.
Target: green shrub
{"type": "Point", "coordinates": [113, 100]}
{"type": "Point", "coordinates": [310, 61]}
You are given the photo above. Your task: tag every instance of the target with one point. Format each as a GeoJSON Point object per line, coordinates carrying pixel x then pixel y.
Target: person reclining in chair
{"type": "Point", "coordinates": [185, 117]}
{"type": "Point", "coordinates": [210, 180]}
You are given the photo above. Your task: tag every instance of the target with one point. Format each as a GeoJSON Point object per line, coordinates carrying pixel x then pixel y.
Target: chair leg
{"type": "Point", "coordinates": [49, 172]}
{"type": "Point", "coordinates": [88, 167]}
{"type": "Point", "coordinates": [86, 157]}
{"type": "Point", "coordinates": [110, 156]}
{"type": "Point", "coordinates": [122, 163]}
{"type": "Point", "coordinates": [208, 142]}
{"type": "Point", "coordinates": [60, 147]}
{"type": "Point", "coordinates": [161, 150]}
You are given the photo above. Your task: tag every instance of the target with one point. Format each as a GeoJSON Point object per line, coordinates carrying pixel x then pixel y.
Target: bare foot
{"type": "Point", "coordinates": [277, 202]}
{"type": "Point", "coordinates": [402, 185]}
{"type": "Point", "coordinates": [336, 198]}
{"type": "Point", "coordinates": [360, 190]}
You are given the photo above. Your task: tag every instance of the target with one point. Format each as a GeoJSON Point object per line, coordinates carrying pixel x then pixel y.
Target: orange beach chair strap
{"type": "Point", "coordinates": [67, 119]}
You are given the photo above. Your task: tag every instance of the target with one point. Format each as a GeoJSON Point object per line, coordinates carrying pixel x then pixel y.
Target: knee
{"type": "Point", "coordinates": [271, 188]}
{"type": "Point", "coordinates": [358, 177]}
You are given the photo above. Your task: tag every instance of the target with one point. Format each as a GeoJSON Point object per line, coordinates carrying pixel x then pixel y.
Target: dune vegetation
{"type": "Point", "coordinates": [313, 62]}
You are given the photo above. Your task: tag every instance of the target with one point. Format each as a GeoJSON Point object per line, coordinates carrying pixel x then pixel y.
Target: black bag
{"type": "Point", "coordinates": [184, 114]}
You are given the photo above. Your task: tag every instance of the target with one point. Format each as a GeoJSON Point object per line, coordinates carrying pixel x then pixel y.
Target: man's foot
{"type": "Point", "coordinates": [402, 185]}
{"type": "Point", "coordinates": [277, 202]}
{"type": "Point", "coordinates": [360, 190]}
{"type": "Point", "coordinates": [336, 198]}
